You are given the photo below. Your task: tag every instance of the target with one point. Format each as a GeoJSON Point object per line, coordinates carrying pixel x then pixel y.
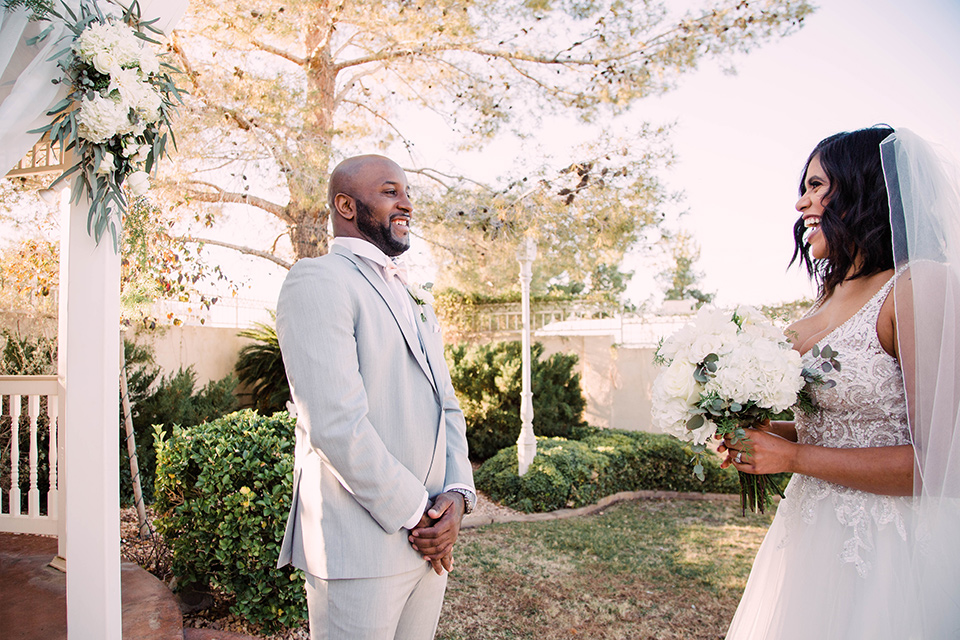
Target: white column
{"type": "Point", "coordinates": [90, 286]}
{"type": "Point", "coordinates": [527, 442]}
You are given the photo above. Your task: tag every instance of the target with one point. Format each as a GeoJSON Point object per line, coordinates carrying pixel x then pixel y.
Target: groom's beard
{"type": "Point", "coordinates": [381, 235]}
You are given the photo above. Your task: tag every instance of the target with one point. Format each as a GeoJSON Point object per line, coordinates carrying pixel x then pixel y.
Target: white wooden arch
{"type": "Point", "coordinates": [89, 316]}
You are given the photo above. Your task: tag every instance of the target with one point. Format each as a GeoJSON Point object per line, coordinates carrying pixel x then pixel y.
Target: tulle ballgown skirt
{"type": "Point", "coordinates": [804, 586]}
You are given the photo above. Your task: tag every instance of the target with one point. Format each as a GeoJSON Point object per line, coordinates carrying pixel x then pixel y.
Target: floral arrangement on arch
{"type": "Point", "coordinates": [116, 117]}
{"type": "Point", "coordinates": [726, 371]}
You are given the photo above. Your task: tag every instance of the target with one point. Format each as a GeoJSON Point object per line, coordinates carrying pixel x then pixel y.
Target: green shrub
{"type": "Point", "coordinates": [165, 401]}
{"type": "Point", "coordinates": [260, 367]}
{"type": "Point", "coordinates": [26, 356]}
{"type": "Point", "coordinates": [487, 379]}
{"type": "Point", "coordinates": [570, 473]}
{"type": "Point", "coordinates": [223, 492]}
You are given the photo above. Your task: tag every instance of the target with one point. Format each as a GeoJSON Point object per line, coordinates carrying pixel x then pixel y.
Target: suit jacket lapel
{"type": "Point", "coordinates": [409, 333]}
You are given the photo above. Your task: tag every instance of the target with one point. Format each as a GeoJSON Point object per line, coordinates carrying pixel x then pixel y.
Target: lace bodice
{"type": "Point", "coordinates": [866, 408]}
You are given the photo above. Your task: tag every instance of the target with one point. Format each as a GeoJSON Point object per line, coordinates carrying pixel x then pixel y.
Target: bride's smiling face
{"type": "Point", "coordinates": [811, 204]}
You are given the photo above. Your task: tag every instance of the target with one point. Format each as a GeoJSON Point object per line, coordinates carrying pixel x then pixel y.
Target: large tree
{"type": "Point", "coordinates": [279, 91]}
{"type": "Point", "coordinates": [682, 277]}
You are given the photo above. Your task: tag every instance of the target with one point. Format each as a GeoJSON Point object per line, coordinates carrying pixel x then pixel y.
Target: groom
{"type": "Point", "coordinates": [381, 476]}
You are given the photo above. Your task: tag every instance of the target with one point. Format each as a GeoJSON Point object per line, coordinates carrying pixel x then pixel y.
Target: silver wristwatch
{"type": "Point", "coordinates": [469, 499]}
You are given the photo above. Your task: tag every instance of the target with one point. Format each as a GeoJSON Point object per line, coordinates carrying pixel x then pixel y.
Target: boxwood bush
{"type": "Point", "coordinates": [574, 473]}
{"type": "Point", "coordinates": [223, 490]}
{"type": "Point", "coordinates": [487, 379]}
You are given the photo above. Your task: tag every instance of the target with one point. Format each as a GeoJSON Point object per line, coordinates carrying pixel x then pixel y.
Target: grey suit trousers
{"type": "Point", "coordinates": [400, 607]}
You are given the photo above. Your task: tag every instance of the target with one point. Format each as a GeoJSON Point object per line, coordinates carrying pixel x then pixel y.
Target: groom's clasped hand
{"type": "Point", "coordinates": [437, 531]}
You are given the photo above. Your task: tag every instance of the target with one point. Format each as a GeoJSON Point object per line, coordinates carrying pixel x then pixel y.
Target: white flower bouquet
{"type": "Point", "coordinates": [726, 371]}
{"type": "Point", "coordinates": [114, 117]}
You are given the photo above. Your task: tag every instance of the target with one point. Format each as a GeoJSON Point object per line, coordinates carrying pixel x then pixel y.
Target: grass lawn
{"type": "Point", "coordinates": [646, 569]}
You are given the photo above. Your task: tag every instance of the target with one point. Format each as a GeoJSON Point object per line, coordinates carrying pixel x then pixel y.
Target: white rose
{"type": "Point", "coordinates": [106, 62]}
{"type": "Point", "coordinates": [106, 167]}
{"type": "Point", "coordinates": [677, 381]}
{"type": "Point", "coordinates": [142, 153]}
{"type": "Point", "coordinates": [422, 292]}
{"type": "Point", "coordinates": [138, 182]}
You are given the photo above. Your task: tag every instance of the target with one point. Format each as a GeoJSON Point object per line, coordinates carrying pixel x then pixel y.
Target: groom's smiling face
{"type": "Point", "coordinates": [383, 207]}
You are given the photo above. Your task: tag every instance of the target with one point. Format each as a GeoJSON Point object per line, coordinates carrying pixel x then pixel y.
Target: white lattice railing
{"type": "Point", "coordinates": [29, 426]}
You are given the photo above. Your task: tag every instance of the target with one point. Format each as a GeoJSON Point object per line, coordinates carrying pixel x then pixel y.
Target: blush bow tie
{"type": "Point", "coordinates": [393, 270]}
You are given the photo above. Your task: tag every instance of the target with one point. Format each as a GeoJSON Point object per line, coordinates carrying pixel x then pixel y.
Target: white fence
{"type": "Point", "coordinates": [30, 435]}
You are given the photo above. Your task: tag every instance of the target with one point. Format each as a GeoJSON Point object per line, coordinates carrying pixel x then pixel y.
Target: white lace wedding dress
{"type": "Point", "coordinates": [835, 561]}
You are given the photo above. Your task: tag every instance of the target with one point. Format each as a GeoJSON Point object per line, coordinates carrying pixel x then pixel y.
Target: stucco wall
{"type": "Point", "coordinates": [616, 380]}
{"type": "Point", "coordinates": [212, 351]}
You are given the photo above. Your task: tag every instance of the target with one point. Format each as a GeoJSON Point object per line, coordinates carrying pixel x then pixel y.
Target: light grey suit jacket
{"type": "Point", "coordinates": [377, 419]}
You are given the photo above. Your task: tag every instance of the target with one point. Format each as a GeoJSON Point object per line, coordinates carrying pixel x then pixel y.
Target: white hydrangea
{"type": "Point", "coordinates": [712, 331]}
{"type": "Point", "coordinates": [100, 119]}
{"type": "Point", "coordinates": [754, 364]}
{"type": "Point", "coordinates": [149, 62]}
{"type": "Point", "coordinates": [109, 46]}
{"type": "Point", "coordinates": [765, 371]}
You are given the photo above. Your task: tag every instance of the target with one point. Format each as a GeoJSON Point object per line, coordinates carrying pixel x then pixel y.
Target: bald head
{"type": "Point", "coordinates": [368, 199]}
{"type": "Point", "coordinates": [349, 176]}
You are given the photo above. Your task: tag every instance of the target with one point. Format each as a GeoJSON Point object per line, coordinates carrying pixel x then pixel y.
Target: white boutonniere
{"type": "Point", "coordinates": [422, 296]}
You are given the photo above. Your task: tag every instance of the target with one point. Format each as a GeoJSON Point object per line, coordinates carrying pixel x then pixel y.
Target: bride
{"type": "Point", "coordinates": [862, 545]}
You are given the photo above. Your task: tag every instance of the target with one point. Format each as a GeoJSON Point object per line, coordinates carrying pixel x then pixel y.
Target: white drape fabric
{"type": "Point", "coordinates": [922, 187]}
{"type": "Point", "coordinates": [26, 88]}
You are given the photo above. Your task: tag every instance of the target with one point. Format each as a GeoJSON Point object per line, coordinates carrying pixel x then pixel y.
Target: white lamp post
{"type": "Point", "coordinates": [527, 442]}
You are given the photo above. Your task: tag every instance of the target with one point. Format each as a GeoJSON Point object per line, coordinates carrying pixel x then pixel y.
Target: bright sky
{"type": "Point", "coordinates": [742, 140]}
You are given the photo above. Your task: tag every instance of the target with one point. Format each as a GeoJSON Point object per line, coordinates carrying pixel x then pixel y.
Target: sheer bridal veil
{"type": "Point", "coordinates": [922, 188]}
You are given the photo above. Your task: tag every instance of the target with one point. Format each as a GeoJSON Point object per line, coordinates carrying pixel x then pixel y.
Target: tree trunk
{"type": "Point", "coordinates": [309, 234]}
{"type": "Point", "coordinates": [307, 207]}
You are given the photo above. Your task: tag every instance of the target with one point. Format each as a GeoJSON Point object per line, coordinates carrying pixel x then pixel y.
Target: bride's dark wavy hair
{"type": "Point", "coordinates": [856, 216]}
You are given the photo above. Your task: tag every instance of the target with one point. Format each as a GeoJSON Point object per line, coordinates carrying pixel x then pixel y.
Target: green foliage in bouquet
{"type": "Point", "coordinates": [570, 473]}
{"type": "Point", "coordinates": [487, 379]}
{"type": "Point", "coordinates": [222, 496]}
{"type": "Point", "coordinates": [116, 116]}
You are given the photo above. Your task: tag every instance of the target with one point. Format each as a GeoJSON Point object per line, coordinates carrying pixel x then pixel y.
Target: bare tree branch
{"type": "Point", "coordinates": [280, 53]}
{"type": "Point", "coordinates": [428, 172]}
{"type": "Point", "coordinates": [240, 248]}
{"type": "Point", "coordinates": [235, 115]}
{"type": "Point", "coordinates": [222, 195]}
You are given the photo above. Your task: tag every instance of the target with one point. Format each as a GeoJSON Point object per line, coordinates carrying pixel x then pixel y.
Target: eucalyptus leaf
{"type": "Point", "coordinates": [40, 36]}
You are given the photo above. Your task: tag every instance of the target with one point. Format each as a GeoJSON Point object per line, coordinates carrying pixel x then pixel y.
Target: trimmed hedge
{"type": "Point", "coordinates": [571, 473]}
{"type": "Point", "coordinates": [223, 491]}
{"type": "Point", "coordinates": [487, 379]}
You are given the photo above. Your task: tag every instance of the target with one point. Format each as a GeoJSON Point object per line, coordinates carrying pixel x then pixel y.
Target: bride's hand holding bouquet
{"type": "Point", "coordinates": [727, 372]}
